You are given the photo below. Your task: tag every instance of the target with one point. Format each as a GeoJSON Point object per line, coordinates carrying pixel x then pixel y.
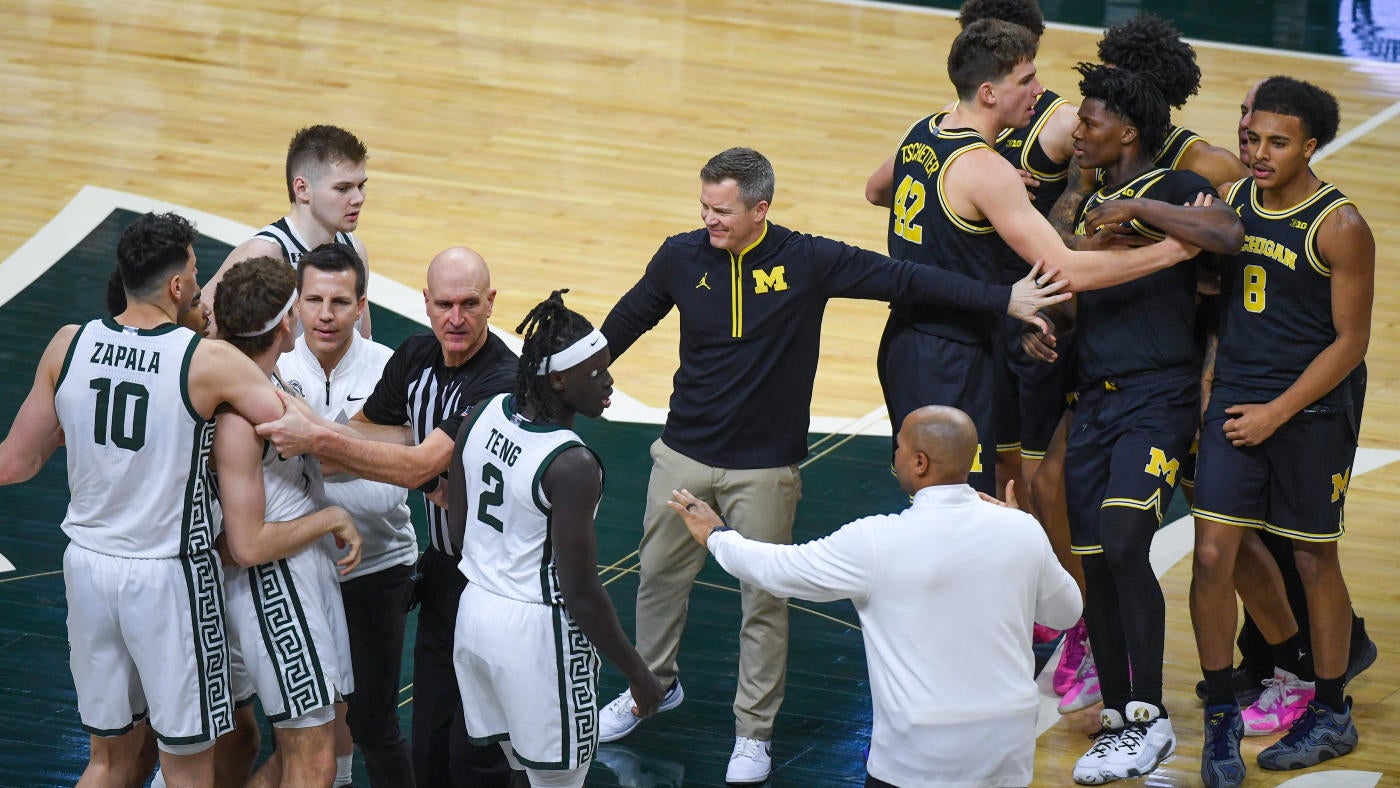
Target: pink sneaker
{"type": "Point", "coordinates": [1085, 691]}
{"type": "Point", "coordinates": [1284, 699]}
{"type": "Point", "coordinates": [1043, 634]}
{"type": "Point", "coordinates": [1072, 653]}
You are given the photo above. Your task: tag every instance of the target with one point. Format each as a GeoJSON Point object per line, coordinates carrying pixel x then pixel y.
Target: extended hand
{"type": "Point", "coordinates": [292, 434]}
{"type": "Point", "coordinates": [647, 694]}
{"type": "Point", "coordinates": [1034, 292]}
{"type": "Point", "coordinates": [346, 535]}
{"type": "Point", "coordinates": [1111, 213]}
{"type": "Point", "coordinates": [1251, 425]}
{"type": "Point", "coordinates": [699, 518]}
{"type": "Point", "coordinates": [1112, 236]}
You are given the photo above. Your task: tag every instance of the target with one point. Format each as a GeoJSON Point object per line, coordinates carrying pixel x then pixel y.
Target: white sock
{"type": "Point", "coordinates": [342, 769]}
{"type": "Point", "coordinates": [159, 781]}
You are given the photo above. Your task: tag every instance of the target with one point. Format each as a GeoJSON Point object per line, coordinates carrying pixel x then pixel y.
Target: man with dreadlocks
{"type": "Point", "coordinates": [522, 492]}
{"type": "Point", "coordinates": [1138, 405]}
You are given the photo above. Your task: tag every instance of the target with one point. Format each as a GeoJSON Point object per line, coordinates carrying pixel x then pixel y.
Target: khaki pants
{"type": "Point", "coordinates": [758, 503]}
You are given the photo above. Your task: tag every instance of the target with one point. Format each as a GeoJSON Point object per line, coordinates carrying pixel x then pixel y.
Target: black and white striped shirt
{"type": "Point", "coordinates": [419, 390]}
{"type": "Point", "coordinates": [285, 235]}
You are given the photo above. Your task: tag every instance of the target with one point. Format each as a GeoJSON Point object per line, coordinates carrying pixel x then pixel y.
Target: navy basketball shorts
{"type": "Point", "coordinates": [1294, 484]}
{"type": "Point", "coordinates": [1040, 391]}
{"type": "Point", "coordinates": [918, 369]}
{"type": "Point", "coordinates": [1125, 449]}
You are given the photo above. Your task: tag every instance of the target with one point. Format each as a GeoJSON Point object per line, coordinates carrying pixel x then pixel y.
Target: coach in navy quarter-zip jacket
{"type": "Point", "coordinates": [751, 296]}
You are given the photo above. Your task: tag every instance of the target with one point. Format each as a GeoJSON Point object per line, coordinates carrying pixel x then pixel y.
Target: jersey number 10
{"type": "Point", "coordinates": [114, 405]}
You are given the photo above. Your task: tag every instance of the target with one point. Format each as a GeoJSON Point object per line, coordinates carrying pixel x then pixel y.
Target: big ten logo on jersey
{"type": "Point", "coordinates": [1013, 143]}
{"type": "Point", "coordinates": [1340, 483]}
{"type": "Point", "coordinates": [774, 280]}
{"type": "Point", "coordinates": [1159, 465]}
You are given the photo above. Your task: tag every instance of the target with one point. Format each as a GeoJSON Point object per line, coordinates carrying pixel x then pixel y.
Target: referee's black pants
{"type": "Point", "coordinates": [442, 756]}
{"type": "Point", "coordinates": [376, 612]}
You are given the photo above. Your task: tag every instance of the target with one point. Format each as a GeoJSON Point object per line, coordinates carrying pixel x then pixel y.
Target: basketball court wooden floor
{"type": "Point", "coordinates": [562, 139]}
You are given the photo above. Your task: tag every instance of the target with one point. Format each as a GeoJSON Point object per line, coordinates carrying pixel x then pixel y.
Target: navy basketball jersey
{"type": "Point", "coordinates": [1022, 148]}
{"type": "Point", "coordinates": [285, 235]}
{"type": "Point", "coordinates": [1276, 297]}
{"type": "Point", "coordinates": [924, 229]}
{"type": "Point", "coordinates": [1178, 140]}
{"type": "Point", "coordinates": [1147, 324]}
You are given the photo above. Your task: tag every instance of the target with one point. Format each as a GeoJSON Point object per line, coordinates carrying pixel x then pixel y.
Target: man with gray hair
{"type": "Point", "coordinates": [751, 296]}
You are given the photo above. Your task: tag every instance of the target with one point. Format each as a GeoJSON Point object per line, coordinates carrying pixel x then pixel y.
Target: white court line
{"type": "Point", "coordinates": [887, 5]}
{"type": "Point", "coordinates": [1352, 135]}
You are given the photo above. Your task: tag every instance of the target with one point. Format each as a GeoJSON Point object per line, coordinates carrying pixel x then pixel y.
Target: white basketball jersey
{"type": "Point", "coordinates": [507, 548]}
{"type": "Point", "coordinates": [290, 485]}
{"type": "Point", "coordinates": [137, 450]}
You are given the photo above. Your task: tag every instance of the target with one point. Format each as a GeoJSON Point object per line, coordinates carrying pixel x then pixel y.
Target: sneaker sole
{"type": "Point", "coordinates": [1079, 704]}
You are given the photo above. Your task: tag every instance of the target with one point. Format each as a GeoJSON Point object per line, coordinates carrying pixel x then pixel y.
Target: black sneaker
{"type": "Point", "coordinates": [1320, 734]}
{"type": "Point", "coordinates": [1221, 764]}
{"type": "Point", "coordinates": [1363, 655]}
{"type": "Point", "coordinates": [1246, 686]}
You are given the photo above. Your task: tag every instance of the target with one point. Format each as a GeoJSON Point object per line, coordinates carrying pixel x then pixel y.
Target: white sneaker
{"type": "Point", "coordinates": [1091, 768]}
{"type": "Point", "coordinates": [616, 720]}
{"type": "Point", "coordinates": [1145, 742]}
{"type": "Point", "coordinates": [750, 763]}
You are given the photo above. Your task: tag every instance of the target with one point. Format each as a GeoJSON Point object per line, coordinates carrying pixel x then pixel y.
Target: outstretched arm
{"type": "Point", "coordinates": [1066, 208]}
{"type": "Point", "coordinates": [1217, 165]}
{"type": "Point", "coordinates": [251, 539]}
{"type": "Point", "coordinates": [990, 185]}
{"type": "Point", "coordinates": [1209, 223]}
{"type": "Point", "coordinates": [573, 484]}
{"type": "Point", "coordinates": [301, 431]}
{"type": "Point", "coordinates": [35, 433]}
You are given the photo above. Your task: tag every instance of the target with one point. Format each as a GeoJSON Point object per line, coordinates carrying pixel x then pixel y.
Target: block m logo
{"type": "Point", "coordinates": [763, 281]}
{"type": "Point", "coordinates": [1340, 482]}
{"type": "Point", "coordinates": [1159, 465]}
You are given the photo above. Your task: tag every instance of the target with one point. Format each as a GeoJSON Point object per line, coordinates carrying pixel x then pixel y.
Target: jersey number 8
{"type": "Point", "coordinates": [1255, 278]}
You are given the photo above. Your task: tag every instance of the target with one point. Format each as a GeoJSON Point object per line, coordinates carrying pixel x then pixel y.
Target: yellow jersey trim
{"type": "Point", "coordinates": [1310, 243]}
{"type": "Point", "coordinates": [959, 222]}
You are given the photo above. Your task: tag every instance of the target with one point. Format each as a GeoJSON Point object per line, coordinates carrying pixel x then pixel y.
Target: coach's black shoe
{"type": "Point", "coordinates": [1246, 686]}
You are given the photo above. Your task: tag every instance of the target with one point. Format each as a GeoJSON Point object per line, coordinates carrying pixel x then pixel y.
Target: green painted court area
{"type": "Point", "coordinates": [825, 721]}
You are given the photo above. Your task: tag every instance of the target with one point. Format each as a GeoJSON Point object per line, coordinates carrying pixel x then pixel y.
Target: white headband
{"type": "Point", "coordinates": [271, 324]}
{"type": "Point", "coordinates": [580, 351]}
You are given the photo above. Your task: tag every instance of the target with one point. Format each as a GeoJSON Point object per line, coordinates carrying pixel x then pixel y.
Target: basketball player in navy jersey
{"type": "Point", "coordinates": [957, 195]}
{"type": "Point", "coordinates": [1137, 411]}
{"type": "Point", "coordinates": [326, 188]}
{"type": "Point", "coordinates": [1279, 435]}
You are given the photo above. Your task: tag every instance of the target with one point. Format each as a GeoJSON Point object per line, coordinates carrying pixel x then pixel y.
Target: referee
{"type": "Point", "coordinates": [404, 436]}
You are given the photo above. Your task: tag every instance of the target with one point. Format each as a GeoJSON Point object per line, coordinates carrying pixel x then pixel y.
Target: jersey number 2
{"type": "Point", "coordinates": [114, 405]}
{"type": "Point", "coordinates": [493, 495]}
{"type": "Point", "coordinates": [908, 203]}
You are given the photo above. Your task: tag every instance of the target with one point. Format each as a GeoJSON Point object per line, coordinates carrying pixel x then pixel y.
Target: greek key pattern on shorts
{"type": "Point", "coordinates": [199, 495]}
{"type": "Point", "coordinates": [581, 674]}
{"type": "Point", "coordinates": [288, 642]}
{"type": "Point", "coordinates": [204, 580]}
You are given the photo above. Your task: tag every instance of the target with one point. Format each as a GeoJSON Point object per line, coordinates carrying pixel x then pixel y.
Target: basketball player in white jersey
{"type": "Point", "coordinates": [523, 492]}
{"type": "Point", "coordinates": [135, 396]}
{"type": "Point", "coordinates": [284, 611]}
{"type": "Point", "coordinates": [326, 188]}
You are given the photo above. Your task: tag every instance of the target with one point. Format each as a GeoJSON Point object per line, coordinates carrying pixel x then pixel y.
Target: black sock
{"type": "Point", "coordinates": [1294, 656]}
{"type": "Point", "coordinates": [1218, 689]}
{"type": "Point", "coordinates": [1329, 694]}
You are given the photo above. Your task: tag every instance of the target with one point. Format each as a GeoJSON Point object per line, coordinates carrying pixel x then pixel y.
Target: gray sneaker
{"type": "Point", "coordinates": [1320, 734]}
{"type": "Point", "coordinates": [616, 719]}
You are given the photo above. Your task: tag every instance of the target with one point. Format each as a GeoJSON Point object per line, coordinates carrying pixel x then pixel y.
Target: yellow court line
{"type": "Point", "coordinates": [844, 440]}
{"type": "Point", "coordinates": [623, 572]}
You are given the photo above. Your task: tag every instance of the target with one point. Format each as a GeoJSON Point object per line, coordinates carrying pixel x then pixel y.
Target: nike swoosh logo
{"type": "Point", "coordinates": [355, 399]}
{"type": "Point", "coordinates": [594, 343]}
